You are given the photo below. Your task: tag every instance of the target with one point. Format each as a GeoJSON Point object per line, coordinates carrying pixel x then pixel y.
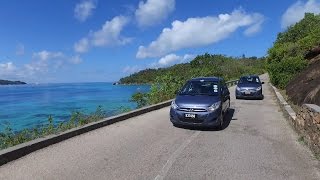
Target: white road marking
{"type": "Point", "coordinates": [174, 156]}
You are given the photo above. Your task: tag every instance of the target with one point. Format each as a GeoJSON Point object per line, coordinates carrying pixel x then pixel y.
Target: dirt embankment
{"type": "Point", "coordinates": [305, 87]}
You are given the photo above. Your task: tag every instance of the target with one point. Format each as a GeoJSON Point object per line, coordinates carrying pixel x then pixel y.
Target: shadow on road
{"type": "Point", "coordinates": [227, 120]}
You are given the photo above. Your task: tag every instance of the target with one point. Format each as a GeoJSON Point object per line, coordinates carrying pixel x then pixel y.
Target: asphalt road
{"type": "Point", "coordinates": [257, 143]}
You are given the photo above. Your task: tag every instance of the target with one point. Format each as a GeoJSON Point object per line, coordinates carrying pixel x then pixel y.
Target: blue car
{"type": "Point", "coordinates": [249, 87]}
{"type": "Point", "coordinates": [201, 102]}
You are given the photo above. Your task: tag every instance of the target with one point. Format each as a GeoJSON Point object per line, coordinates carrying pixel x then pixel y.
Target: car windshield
{"type": "Point", "coordinates": [249, 80]}
{"type": "Point", "coordinates": [209, 88]}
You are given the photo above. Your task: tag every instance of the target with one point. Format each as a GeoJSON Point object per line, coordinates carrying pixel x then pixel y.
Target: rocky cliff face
{"type": "Point", "coordinates": [305, 87]}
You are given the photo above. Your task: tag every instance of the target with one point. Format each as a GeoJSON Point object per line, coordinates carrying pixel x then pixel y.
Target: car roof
{"type": "Point", "coordinates": [207, 79]}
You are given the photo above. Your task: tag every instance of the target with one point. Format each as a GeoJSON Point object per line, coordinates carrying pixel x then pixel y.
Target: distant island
{"type": "Point", "coordinates": [7, 82]}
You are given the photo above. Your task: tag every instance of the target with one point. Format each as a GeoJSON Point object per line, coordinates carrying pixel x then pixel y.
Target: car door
{"type": "Point", "coordinates": [225, 96]}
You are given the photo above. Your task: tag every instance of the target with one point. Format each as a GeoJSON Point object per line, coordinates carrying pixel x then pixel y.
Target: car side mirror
{"type": "Point", "coordinates": [262, 82]}
{"type": "Point", "coordinates": [177, 92]}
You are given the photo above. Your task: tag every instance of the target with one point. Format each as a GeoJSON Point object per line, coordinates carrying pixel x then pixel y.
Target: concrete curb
{"type": "Point", "coordinates": [286, 108]}
{"type": "Point", "coordinates": [23, 149]}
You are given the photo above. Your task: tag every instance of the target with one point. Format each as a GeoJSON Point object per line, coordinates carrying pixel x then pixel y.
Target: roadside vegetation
{"type": "Point", "coordinates": [288, 55]}
{"type": "Point", "coordinates": [10, 138]}
{"type": "Point", "coordinates": [165, 82]}
{"type": "Point", "coordinates": [293, 64]}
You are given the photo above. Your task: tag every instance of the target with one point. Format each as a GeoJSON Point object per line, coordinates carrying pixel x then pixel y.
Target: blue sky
{"type": "Point", "coordinates": [104, 40]}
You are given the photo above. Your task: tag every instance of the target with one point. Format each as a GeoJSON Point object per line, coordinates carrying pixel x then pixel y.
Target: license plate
{"type": "Point", "coordinates": [192, 116]}
{"type": "Point", "coordinates": [247, 92]}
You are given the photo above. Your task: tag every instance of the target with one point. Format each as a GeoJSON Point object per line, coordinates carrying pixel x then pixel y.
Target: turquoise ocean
{"type": "Point", "coordinates": [29, 106]}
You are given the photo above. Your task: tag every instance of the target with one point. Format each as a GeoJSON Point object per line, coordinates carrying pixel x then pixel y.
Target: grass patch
{"type": "Point", "coordinates": [301, 140]}
{"type": "Point", "coordinates": [9, 138]}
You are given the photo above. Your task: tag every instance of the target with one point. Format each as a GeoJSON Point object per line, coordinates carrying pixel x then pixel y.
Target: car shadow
{"type": "Point", "coordinates": [228, 117]}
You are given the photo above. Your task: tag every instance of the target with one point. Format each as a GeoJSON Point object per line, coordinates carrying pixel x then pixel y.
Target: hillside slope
{"type": "Point", "coordinates": [305, 87]}
{"type": "Point", "coordinates": [202, 65]}
{"type": "Point", "coordinates": [287, 57]}
{"type": "Point", "coordinates": [293, 62]}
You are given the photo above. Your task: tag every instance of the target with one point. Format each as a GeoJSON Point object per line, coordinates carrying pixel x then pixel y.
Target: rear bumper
{"type": "Point", "coordinates": [204, 119]}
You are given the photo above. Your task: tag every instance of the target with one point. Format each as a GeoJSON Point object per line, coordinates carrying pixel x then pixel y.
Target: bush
{"type": "Point", "coordinates": [165, 88]}
{"type": "Point", "coordinates": [10, 138]}
{"type": "Point", "coordinates": [286, 57]}
{"type": "Point", "coordinates": [140, 99]}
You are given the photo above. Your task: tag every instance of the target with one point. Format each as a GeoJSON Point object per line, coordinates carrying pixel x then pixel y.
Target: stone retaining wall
{"type": "Point", "coordinates": [307, 124]}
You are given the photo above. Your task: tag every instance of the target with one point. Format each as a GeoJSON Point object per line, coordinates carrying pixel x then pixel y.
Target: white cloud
{"type": "Point", "coordinates": [46, 61]}
{"type": "Point", "coordinates": [81, 46]}
{"type": "Point", "coordinates": [75, 59]}
{"type": "Point", "coordinates": [84, 9]}
{"type": "Point", "coordinates": [7, 68]}
{"type": "Point", "coordinates": [165, 61]}
{"type": "Point", "coordinates": [188, 57]}
{"type": "Point", "coordinates": [256, 26]}
{"type": "Point", "coordinates": [110, 32]}
{"type": "Point", "coordinates": [172, 59]}
{"type": "Point", "coordinates": [153, 11]}
{"type": "Point", "coordinates": [297, 10]}
{"type": "Point", "coordinates": [108, 35]}
{"type": "Point", "coordinates": [9, 71]}
{"type": "Point", "coordinates": [131, 69]}
{"type": "Point", "coordinates": [36, 67]}
{"type": "Point", "coordinates": [46, 55]}
{"type": "Point", "coordinates": [20, 49]}
{"type": "Point", "coordinates": [195, 32]}
{"type": "Point", "coordinates": [169, 59]}
{"type": "Point", "coordinates": [42, 64]}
